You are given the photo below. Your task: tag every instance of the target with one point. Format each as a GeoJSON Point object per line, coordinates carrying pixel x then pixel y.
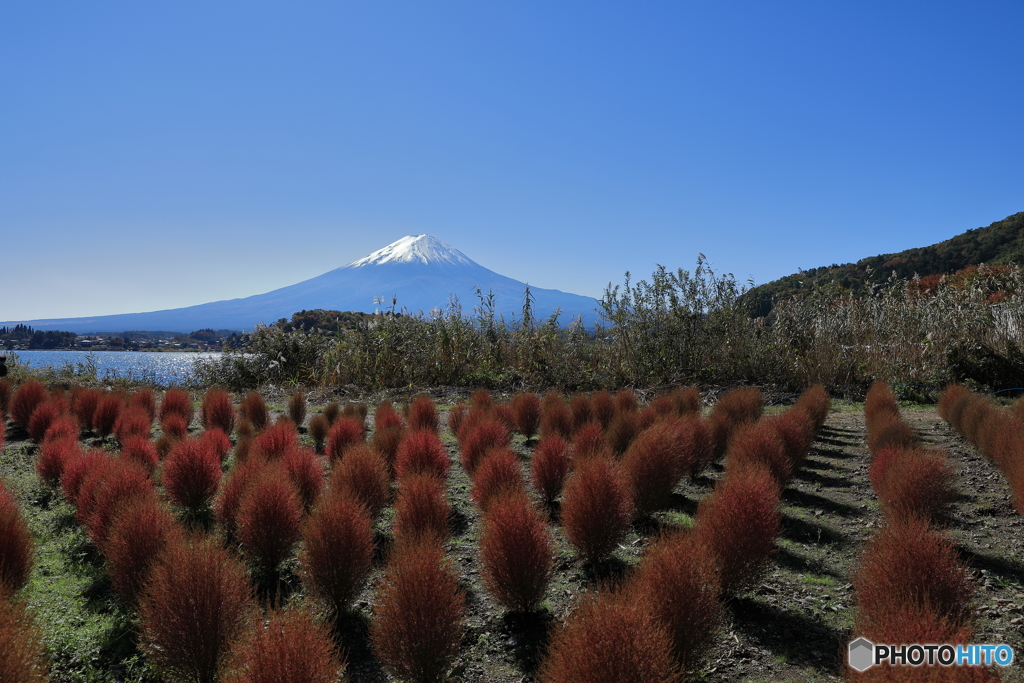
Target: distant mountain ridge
{"type": "Point", "coordinates": [420, 272]}
{"type": "Point", "coordinates": [1000, 243]}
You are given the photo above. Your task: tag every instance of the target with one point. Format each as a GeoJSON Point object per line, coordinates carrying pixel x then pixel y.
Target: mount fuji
{"type": "Point", "coordinates": [421, 272]}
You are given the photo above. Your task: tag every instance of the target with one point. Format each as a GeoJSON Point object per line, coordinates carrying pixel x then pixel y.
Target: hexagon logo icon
{"type": "Point", "coordinates": [862, 654]}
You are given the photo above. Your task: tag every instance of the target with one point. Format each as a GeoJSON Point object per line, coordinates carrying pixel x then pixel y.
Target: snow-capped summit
{"type": "Point", "coordinates": [425, 249]}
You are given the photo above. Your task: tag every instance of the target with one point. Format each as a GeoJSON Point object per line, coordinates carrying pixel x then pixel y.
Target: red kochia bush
{"type": "Point", "coordinates": [363, 477]}
{"type": "Point", "coordinates": [176, 402]}
{"type": "Point", "coordinates": [526, 414]}
{"type": "Point", "coordinates": [42, 417]}
{"type": "Point", "coordinates": [254, 409]}
{"type": "Point", "coordinates": [15, 544]}
{"type": "Point", "coordinates": [623, 428]}
{"type": "Point", "coordinates": [77, 467]}
{"type": "Point", "coordinates": [581, 409]}
{"type": "Point", "coordinates": [952, 402]}
{"type": "Point", "coordinates": [759, 443]}
{"type": "Point", "coordinates": [337, 551]}
{"type": "Point", "coordinates": [739, 522]}
{"type": "Point", "coordinates": [478, 440]}
{"type": "Point", "coordinates": [611, 638]}
{"type": "Point", "coordinates": [879, 402]}
{"type": "Point", "coordinates": [104, 492]}
{"type": "Point", "coordinates": [106, 415]}
{"type": "Point", "coordinates": [174, 426]}
{"type": "Point", "coordinates": [225, 508]}
{"type": "Point", "coordinates": [132, 421]}
{"type": "Point", "coordinates": [21, 642]}
{"type": "Point", "coordinates": [276, 440]}
{"type": "Point", "coordinates": [679, 575]}
{"type": "Point", "coordinates": [218, 441]}
{"type": "Point", "coordinates": [6, 393]}
{"type": "Point", "coordinates": [888, 430]}
{"type": "Point", "coordinates": [297, 408]}
{"type": "Point", "coordinates": [386, 417]}
{"type": "Point", "coordinates": [196, 600]}
{"type": "Point", "coordinates": [64, 427]}
{"type": "Point", "coordinates": [907, 562]}
{"type": "Point", "coordinates": [517, 554]}
{"type": "Point", "coordinates": [499, 475]}
{"type": "Point", "coordinates": [421, 509]}
{"type": "Point", "coordinates": [83, 404]}
{"type": "Point", "coordinates": [549, 467]}
{"type": "Point", "coordinates": [217, 412]}
{"type": "Point", "coordinates": [305, 470]}
{"type": "Point", "coordinates": [815, 404]}
{"type": "Point", "coordinates": [345, 433]}
{"type": "Point", "coordinates": [422, 451]}
{"type": "Point", "coordinates": [289, 646]}
{"type": "Point", "coordinates": [603, 406]}
{"type": "Point", "coordinates": [455, 418]}
{"type": "Point", "coordinates": [555, 417]}
{"type": "Point", "coordinates": [918, 482]}
{"type": "Point", "coordinates": [686, 401]}
{"type": "Point", "coordinates": [318, 428]}
{"type": "Point", "coordinates": [652, 467]}
{"type": "Point", "coordinates": [796, 428]}
{"type": "Point", "coordinates": [268, 519]}
{"type": "Point", "coordinates": [144, 398]}
{"type": "Point", "coordinates": [417, 618]}
{"type": "Point", "coordinates": [136, 537]}
{"type": "Point", "coordinates": [26, 399]}
{"type": "Point", "coordinates": [589, 442]}
{"type": "Point", "coordinates": [596, 509]}
{"type": "Point", "coordinates": [191, 473]}
{"type": "Point", "coordinates": [423, 414]}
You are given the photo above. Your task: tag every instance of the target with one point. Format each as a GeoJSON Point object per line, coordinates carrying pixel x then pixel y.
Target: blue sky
{"type": "Point", "coordinates": [157, 155]}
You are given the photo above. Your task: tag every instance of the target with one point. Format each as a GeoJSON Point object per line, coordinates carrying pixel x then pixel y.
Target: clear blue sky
{"type": "Point", "coordinates": [163, 154]}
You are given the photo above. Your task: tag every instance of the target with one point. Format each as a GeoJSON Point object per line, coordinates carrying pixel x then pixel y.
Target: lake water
{"type": "Point", "coordinates": [163, 368]}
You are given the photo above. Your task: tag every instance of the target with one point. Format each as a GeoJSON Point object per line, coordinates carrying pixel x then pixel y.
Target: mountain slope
{"type": "Point", "coordinates": [421, 272]}
{"type": "Point", "coordinates": [1000, 243]}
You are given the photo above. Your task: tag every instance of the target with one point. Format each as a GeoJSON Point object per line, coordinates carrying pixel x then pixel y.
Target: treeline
{"type": "Point", "coordinates": [1000, 243]}
{"type": "Point", "coordinates": [677, 328]}
{"type": "Point", "coordinates": [37, 339]}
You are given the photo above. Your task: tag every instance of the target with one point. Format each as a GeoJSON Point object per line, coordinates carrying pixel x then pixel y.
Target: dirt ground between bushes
{"type": "Point", "coordinates": [793, 627]}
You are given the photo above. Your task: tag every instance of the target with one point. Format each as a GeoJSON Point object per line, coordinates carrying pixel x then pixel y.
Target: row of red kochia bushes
{"type": "Point", "coordinates": [663, 620]}
{"type": "Point", "coordinates": [21, 646]}
{"type": "Point", "coordinates": [910, 586]}
{"type": "Point", "coordinates": [996, 432]}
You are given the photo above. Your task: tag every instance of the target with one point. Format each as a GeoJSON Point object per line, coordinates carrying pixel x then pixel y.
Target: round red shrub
{"type": "Point", "coordinates": [549, 467]}
{"type": "Point", "coordinates": [121, 480]}
{"type": "Point", "coordinates": [133, 421]}
{"type": "Point", "coordinates": [305, 470]}
{"type": "Point", "coordinates": [107, 412]}
{"type": "Point", "coordinates": [589, 442]}
{"type": "Point", "coordinates": [276, 440]}
{"type": "Point", "coordinates": [422, 451]}
{"type": "Point", "coordinates": [759, 442]}
{"type": "Point", "coordinates": [610, 638]}
{"type": "Point", "coordinates": [499, 475]}
{"type": "Point", "coordinates": [417, 617]}
{"type": "Point", "coordinates": [16, 545]}
{"type": "Point", "coordinates": [217, 411]}
{"type": "Point", "coordinates": [176, 402]}
{"type": "Point", "coordinates": [423, 414]}
{"type": "Point", "coordinates": [363, 476]}
{"type": "Point", "coordinates": [83, 404]}
{"type": "Point", "coordinates": [456, 416]}
{"type": "Point", "coordinates": [555, 417]}
{"type": "Point", "coordinates": [582, 410]}
{"type": "Point", "coordinates": [191, 473]}
{"type": "Point", "coordinates": [604, 407]}
{"type": "Point", "coordinates": [218, 441]}
{"type": "Point", "coordinates": [479, 439]}
{"type": "Point", "coordinates": [686, 401]}
{"type": "Point", "coordinates": [596, 509]}
{"type": "Point", "coordinates": [77, 466]}
{"type": "Point", "coordinates": [337, 551]}
{"type": "Point", "coordinates": [268, 520]}
{"type": "Point", "coordinates": [254, 409]}
{"type": "Point", "coordinates": [739, 522]}
{"type": "Point", "coordinates": [28, 396]}
{"type": "Point", "coordinates": [297, 408]}
{"type": "Point", "coordinates": [344, 434]}
{"type": "Point", "coordinates": [526, 414]}
{"type": "Point", "coordinates": [225, 508]}
{"type": "Point", "coordinates": [624, 427]}
{"type": "Point", "coordinates": [42, 417]}
{"type": "Point", "coordinates": [288, 646]}
{"type": "Point", "coordinates": [386, 417]}
{"type": "Point", "coordinates": [174, 426]}
{"type": "Point", "coordinates": [421, 509]}
{"type": "Point", "coordinates": [651, 467]}
{"type": "Point", "coordinates": [53, 454]}
{"type": "Point", "coordinates": [145, 399]}
{"type": "Point", "coordinates": [194, 604]}
{"type": "Point", "coordinates": [21, 642]}
{"type": "Point", "coordinates": [679, 576]}
{"type": "Point", "coordinates": [137, 535]}
{"type": "Point", "coordinates": [517, 554]}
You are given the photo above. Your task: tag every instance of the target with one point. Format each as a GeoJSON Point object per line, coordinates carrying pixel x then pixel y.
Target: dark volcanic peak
{"type": "Point", "coordinates": [420, 273]}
